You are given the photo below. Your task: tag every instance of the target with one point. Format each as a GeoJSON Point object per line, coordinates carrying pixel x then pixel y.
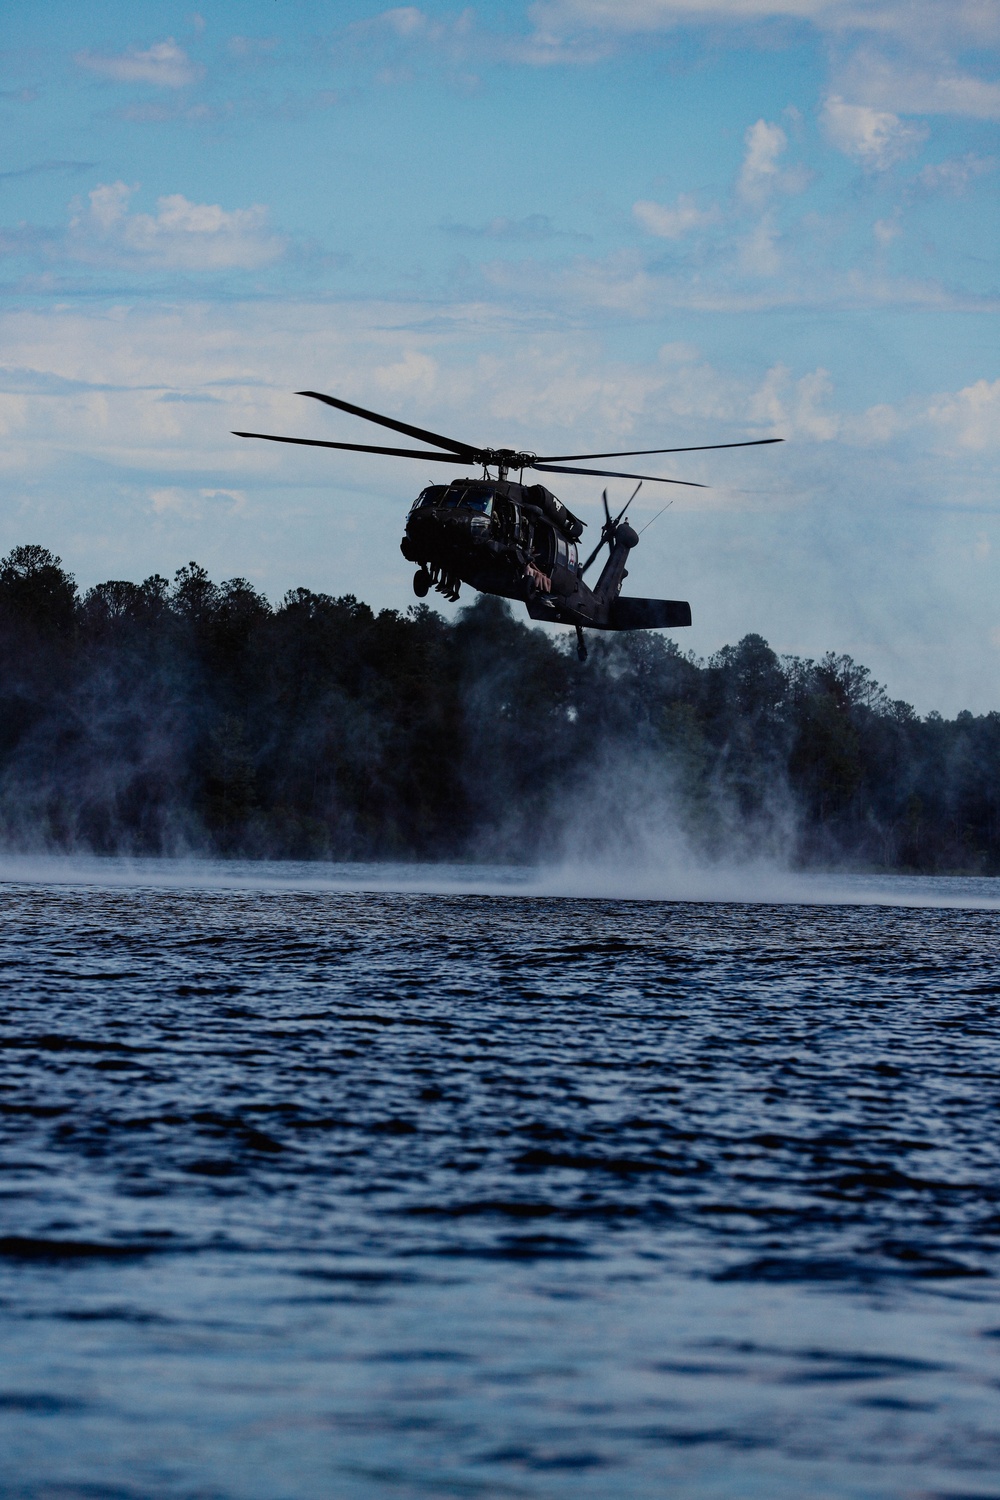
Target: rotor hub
{"type": "Point", "coordinates": [506, 459]}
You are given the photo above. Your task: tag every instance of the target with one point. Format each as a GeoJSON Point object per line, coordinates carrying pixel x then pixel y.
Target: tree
{"type": "Point", "coordinates": [35, 590]}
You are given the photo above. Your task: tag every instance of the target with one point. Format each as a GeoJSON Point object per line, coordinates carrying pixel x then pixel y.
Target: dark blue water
{"type": "Point", "coordinates": [312, 1192]}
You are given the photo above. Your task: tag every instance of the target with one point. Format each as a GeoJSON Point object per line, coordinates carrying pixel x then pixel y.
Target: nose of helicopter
{"type": "Point", "coordinates": [435, 521]}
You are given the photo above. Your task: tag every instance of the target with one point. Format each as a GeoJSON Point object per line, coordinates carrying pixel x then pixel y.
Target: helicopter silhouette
{"type": "Point", "coordinates": [518, 540]}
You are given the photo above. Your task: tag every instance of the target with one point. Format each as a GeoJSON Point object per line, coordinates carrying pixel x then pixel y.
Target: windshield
{"type": "Point", "coordinates": [430, 496]}
{"type": "Point", "coordinates": [470, 497]}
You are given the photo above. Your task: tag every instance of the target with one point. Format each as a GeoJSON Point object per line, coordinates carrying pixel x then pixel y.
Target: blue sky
{"type": "Point", "coordinates": [569, 225]}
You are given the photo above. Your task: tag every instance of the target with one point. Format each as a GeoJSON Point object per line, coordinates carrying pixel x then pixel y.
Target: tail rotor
{"type": "Point", "coordinates": [610, 526]}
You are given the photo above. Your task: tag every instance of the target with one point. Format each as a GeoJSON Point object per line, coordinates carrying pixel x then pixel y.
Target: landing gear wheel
{"type": "Point", "coordinates": [581, 645]}
{"type": "Point", "coordinates": [421, 583]}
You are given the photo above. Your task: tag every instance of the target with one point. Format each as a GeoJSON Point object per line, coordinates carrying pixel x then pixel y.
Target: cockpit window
{"type": "Point", "coordinates": [469, 497]}
{"type": "Point", "coordinates": [430, 496]}
{"type": "Point", "coordinates": [462, 496]}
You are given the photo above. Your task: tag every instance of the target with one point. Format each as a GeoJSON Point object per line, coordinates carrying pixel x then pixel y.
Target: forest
{"type": "Point", "coordinates": [186, 717]}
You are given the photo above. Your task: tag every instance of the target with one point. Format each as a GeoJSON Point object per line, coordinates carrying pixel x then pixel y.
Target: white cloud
{"type": "Point", "coordinates": [409, 24]}
{"type": "Point", "coordinates": [672, 223]}
{"type": "Point", "coordinates": [910, 83]}
{"type": "Point", "coordinates": [415, 374]}
{"type": "Point", "coordinates": [808, 416]}
{"type": "Point", "coordinates": [874, 138]}
{"type": "Point", "coordinates": [878, 425]}
{"type": "Point", "coordinates": [181, 235]}
{"type": "Point", "coordinates": [764, 144]}
{"type": "Point", "coordinates": [626, 283]}
{"type": "Point", "coordinates": [885, 231]}
{"type": "Point", "coordinates": [189, 503]}
{"type": "Point", "coordinates": [970, 419]}
{"type": "Point", "coordinates": [758, 253]}
{"type": "Point", "coordinates": [956, 174]}
{"type": "Point", "coordinates": [794, 409]}
{"type": "Point", "coordinates": [165, 65]}
{"type": "Point", "coordinates": [761, 175]}
{"type": "Point", "coordinates": [404, 20]}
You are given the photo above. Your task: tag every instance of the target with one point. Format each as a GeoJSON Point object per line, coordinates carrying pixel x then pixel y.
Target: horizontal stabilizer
{"type": "Point", "coordinates": [648, 614]}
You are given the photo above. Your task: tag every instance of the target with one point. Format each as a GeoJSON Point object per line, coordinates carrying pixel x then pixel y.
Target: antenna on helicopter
{"type": "Point", "coordinates": [659, 513]}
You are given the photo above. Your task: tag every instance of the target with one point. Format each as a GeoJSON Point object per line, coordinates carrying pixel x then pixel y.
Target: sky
{"type": "Point", "coordinates": [563, 226]}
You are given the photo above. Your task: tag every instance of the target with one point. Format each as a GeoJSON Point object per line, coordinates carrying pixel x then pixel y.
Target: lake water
{"type": "Point", "coordinates": [403, 1182]}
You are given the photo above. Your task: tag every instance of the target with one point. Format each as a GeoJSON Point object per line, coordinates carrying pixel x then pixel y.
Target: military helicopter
{"type": "Point", "coordinates": [515, 539]}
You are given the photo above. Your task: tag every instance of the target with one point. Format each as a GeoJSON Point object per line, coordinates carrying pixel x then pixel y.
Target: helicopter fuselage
{"type": "Point", "coordinates": [520, 542]}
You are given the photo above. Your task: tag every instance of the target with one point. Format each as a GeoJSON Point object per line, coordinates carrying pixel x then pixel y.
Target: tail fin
{"type": "Point", "coordinates": [648, 614]}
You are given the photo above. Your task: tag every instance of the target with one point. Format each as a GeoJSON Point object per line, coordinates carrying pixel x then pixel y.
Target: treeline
{"type": "Point", "coordinates": [188, 716]}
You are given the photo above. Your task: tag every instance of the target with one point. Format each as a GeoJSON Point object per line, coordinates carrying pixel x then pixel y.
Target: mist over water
{"type": "Point", "coordinates": [368, 1180]}
{"type": "Point", "coordinates": [680, 876]}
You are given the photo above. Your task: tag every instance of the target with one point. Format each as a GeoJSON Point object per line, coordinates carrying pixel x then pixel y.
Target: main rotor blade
{"type": "Point", "coordinates": [615, 474]}
{"type": "Point", "coordinates": [467, 450]}
{"type": "Point", "coordinates": [558, 458]}
{"type": "Point", "coordinates": [441, 458]}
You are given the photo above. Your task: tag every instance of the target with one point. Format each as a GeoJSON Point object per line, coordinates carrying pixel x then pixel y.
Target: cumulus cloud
{"type": "Point", "coordinates": [165, 65]}
{"type": "Point", "coordinates": [181, 235]}
{"type": "Point", "coordinates": [764, 144]}
{"type": "Point", "coordinates": [761, 174]}
{"type": "Point", "coordinates": [970, 418]}
{"type": "Point", "coordinates": [672, 222]}
{"type": "Point", "coordinates": [874, 138]}
{"type": "Point", "coordinates": [802, 409]}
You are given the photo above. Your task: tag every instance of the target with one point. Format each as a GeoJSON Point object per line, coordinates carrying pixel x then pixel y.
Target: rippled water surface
{"type": "Point", "coordinates": [311, 1190]}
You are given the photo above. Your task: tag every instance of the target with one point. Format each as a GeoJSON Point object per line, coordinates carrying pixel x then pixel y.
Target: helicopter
{"type": "Point", "coordinates": [518, 540]}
